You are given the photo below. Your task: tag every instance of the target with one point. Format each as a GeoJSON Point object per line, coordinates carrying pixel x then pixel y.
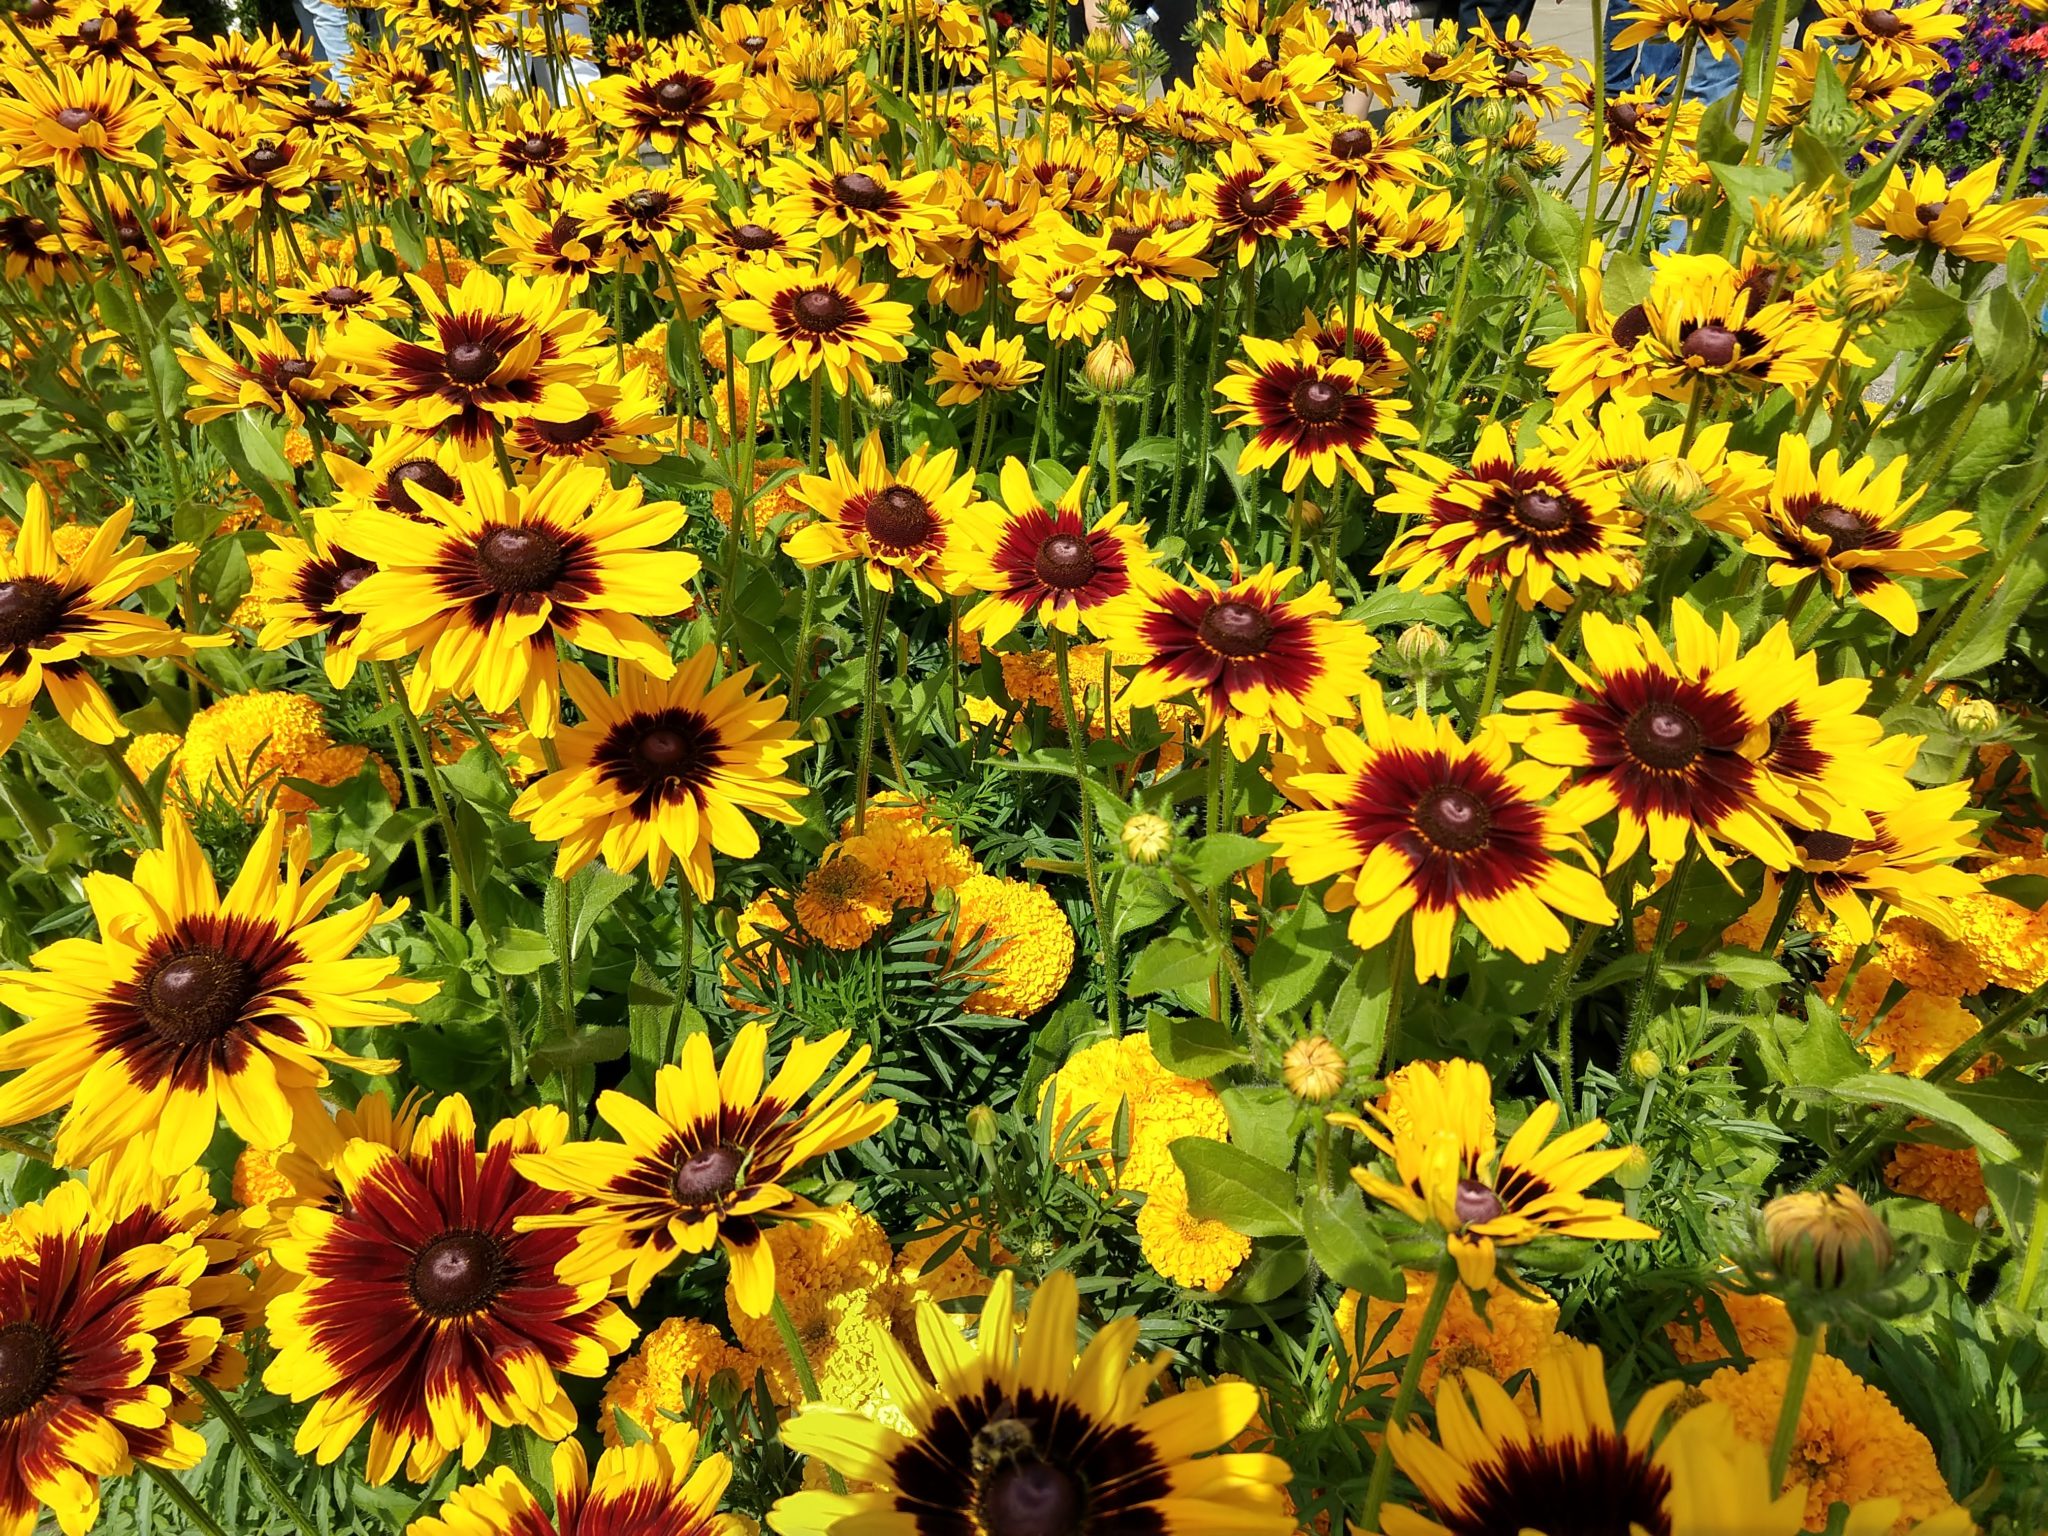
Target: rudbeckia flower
{"type": "Point", "coordinates": [192, 1004]}
{"type": "Point", "coordinates": [656, 1485]}
{"type": "Point", "coordinates": [1315, 411]}
{"type": "Point", "coordinates": [708, 1165]}
{"type": "Point", "coordinates": [991, 365]}
{"type": "Point", "coordinates": [63, 117]}
{"type": "Point", "coordinates": [1053, 563]}
{"type": "Point", "coordinates": [803, 321]}
{"type": "Point", "coordinates": [907, 519]}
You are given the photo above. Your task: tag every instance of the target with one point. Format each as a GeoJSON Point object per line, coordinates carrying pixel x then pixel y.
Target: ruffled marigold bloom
{"type": "Point", "coordinates": [1022, 1433]}
{"type": "Point", "coordinates": [1257, 662]}
{"type": "Point", "coordinates": [1913, 1036]}
{"type": "Point", "coordinates": [1317, 412]}
{"type": "Point", "coordinates": [1527, 527]}
{"type": "Point", "coordinates": [1663, 738]}
{"type": "Point", "coordinates": [803, 321]}
{"type": "Point", "coordinates": [1187, 1249]}
{"type": "Point", "coordinates": [907, 519]}
{"type": "Point", "coordinates": [1031, 944]}
{"type": "Point", "coordinates": [650, 1486]}
{"type": "Point", "coordinates": [98, 1337]}
{"type": "Point", "coordinates": [844, 902]}
{"type": "Point", "coordinates": [991, 365]}
{"type": "Point", "coordinates": [1845, 526]}
{"type": "Point", "coordinates": [1418, 824]}
{"type": "Point", "coordinates": [1952, 1178]}
{"type": "Point", "coordinates": [1852, 1444]}
{"type": "Point", "coordinates": [191, 1005]}
{"type": "Point", "coordinates": [56, 612]}
{"type": "Point", "coordinates": [484, 589]}
{"type": "Point", "coordinates": [65, 117]}
{"type": "Point", "coordinates": [1449, 1173]}
{"type": "Point", "coordinates": [707, 1163]}
{"type": "Point", "coordinates": [1050, 563]}
{"type": "Point", "coordinates": [427, 1308]}
{"type": "Point", "coordinates": [669, 1376]}
{"type": "Point", "coordinates": [1511, 1338]}
{"type": "Point", "coordinates": [665, 769]}
{"type": "Point", "coordinates": [1762, 1324]}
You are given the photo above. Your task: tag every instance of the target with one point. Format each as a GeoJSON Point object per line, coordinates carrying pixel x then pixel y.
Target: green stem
{"type": "Point", "coordinates": [2018, 169]}
{"type": "Point", "coordinates": [1440, 1289]}
{"type": "Point", "coordinates": [1239, 982]}
{"type": "Point", "coordinates": [872, 607]}
{"type": "Point", "coordinates": [1796, 1374]}
{"type": "Point", "coordinates": [181, 1496]}
{"type": "Point", "coordinates": [1506, 636]}
{"type": "Point", "coordinates": [239, 1433]}
{"type": "Point", "coordinates": [1764, 35]}
{"type": "Point", "coordinates": [1654, 187]}
{"type": "Point", "coordinates": [1668, 901]}
{"type": "Point", "coordinates": [1077, 744]}
{"type": "Point", "coordinates": [132, 788]}
{"type": "Point", "coordinates": [806, 1381]}
{"type": "Point", "coordinates": [1594, 159]}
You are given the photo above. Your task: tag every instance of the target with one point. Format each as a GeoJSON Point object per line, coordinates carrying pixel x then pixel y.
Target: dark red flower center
{"type": "Point", "coordinates": [351, 577]}
{"type": "Point", "coordinates": [472, 362]}
{"type": "Point", "coordinates": [294, 368]}
{"type": "Point", "coordinates": [1350, 143]}
{"type": "Point", "coordinates": [1475, 1201]}
{"type": "Point", "coordinates": [29, 1359]}
{"type": "Point", "coordinates": [1065, 560]}
{"type": "Point", "coordinates": [266, 160]}
{"type": "Point", "coordinates": [565, 434]}
{"type": "Point", "coordinates": [457, 1273]}
{"type": "Point", "coordinates": [1624, 115]}
{"type": "Point", "coordinates": [1260, 70]}
{"type": "Point", "coordinates": [29, 609]}
{"type": "Point", "coordinates": [899, 518]}
{"type": "Point", "coordinates": [1453, 820]}
{"type": "Point", "coordinates": [341, 296]}
{"type": "Point", "coordinates": [1824, 847]}
{"type": "Point", "coordinates": [1032, 1498]}
{"type": "Point", "coordinates": [425, 474]}
{"type": "Point", "coordinates": [73, 118]}
{"type": "Point", "coordinates": [534, 147]}
{"type": "Point", "coordinates": [194, 996]}
{"type": "Point", "coordinates": [1343, 39]}
{"type": "Point", "coordinates": [1711, 345]}
{"type": "Point", "coordinates": [1844, 529]}
{"type": "Point", "coordinates": [673, 95]}
{"type": "Point", "coordinates": [1930, 213]}
{"type": "Point", "coordinates": [520, 560]}
{"type": "Point", "coordinates": [1542, 511]}
{"type": "Point", "coordinates": [753, 44]}
{"type": "Point", "coordinates": [1630, 326]}
{"type": "Point", "coordinates": [1514, 80]}
{"type": "Point", "coordinates": [1317, 401]}
{"type": "Point", "coordinates": [822, 310]}
{"type": "Point", "coordinates": [38, 11]}
{"type": "Point", "coordinates": [704, 1178]}
{"type": "Point", "coordinates": [754, 237]}
{"type": "Point", "coordinates": [1236, 629]}
{"type": "Point", "coordinates": [1883, 23]}
{"type": "Point", "coordinates": [1662, 736]}
{"type": "Point", "coordinates": [1125, 239]}
{"type": "Point", "coordinates": [857, 189]}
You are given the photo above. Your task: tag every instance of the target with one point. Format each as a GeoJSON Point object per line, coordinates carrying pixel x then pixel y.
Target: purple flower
{"type": "Point", "coordinates": [1958, 130]}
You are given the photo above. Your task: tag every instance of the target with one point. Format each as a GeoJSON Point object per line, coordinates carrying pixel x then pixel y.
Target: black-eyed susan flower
{"type": "Point", "coordinates": [295, 585]}
{"type": "Point", "coordinates": [1415, 823]}
{"type": "Point", "coordinates": [1052, 562]}
{"type": "Point", "coordinates": [236, 178]}
{"type": "Point", "coordinates": [1703, 325]}
{"type": "Point", "coordinates": [1662, 737]}
{"type": "Point", "coordinates": [56, 613]}
{"type": "Point", "coordinates": [1912, 34]}
{"type": "Point", "coordinates": [665, 770]}
{"type": "Point", "coordinates": [654, 1485]}
{"type": "Point", "coordinates": [1847, 526]}
{"type": "Point", "coordinates": [491, 350]}
{"type": "Point", "coordinates": [1340, 156]}
{"type": "Point", "coordinates": [672, 100]}
{"type": "Point", "coordinates": [1716, 25]}
{"type": "Point", "coordinates": [279, 377]}
{"type": "Point", "coordinates": [192, 1005]}
{"type": "Point", "coordinates": [426, 1307]}
{"type": "Point", "coordinates": [485, 589]}
{"type": "Point", "coordinates": [1527, 527]}
{"type": "Point", "coordinates": [1032, 1440]}
{"type": "Point", "coordinates": [992, 365]}
{"type": "Point", "coordinates": [568, 244]}
{"type": "Point", "coordinates": [708, 1164]}
{"type": "Point", "coordinates": [1257, 661]}
{"type": "Point", "coordinates": [1907, 865]}
{"type": "Point", "coordinates": [1657, 474]}
{"type": "Point", "coordinates": [1064, 288]}
{"type": "Point", "coordinates": [1245, 204]}
{"type": "Point", "coordinates": [1598, 358]}
{"type": "Point", "coordinates": [1922, 208]}
{"type": "Point", "coordinates": [624, 424]}
{"type": "Point", "coordinates": [334, 292]}
{"type": "Point", "coordinates": [1436, 1123]}
{"type": "Point", "coordinates": [1315, 411]}
{"type": "Point", "coordinates": [1821, 750]}
{"type": "Point", "coordinates": [1154, 260]}
{"type": "Point", "coordinates": [399, 463]}
{"type": "Point", "coordinates": [1566, 1463]}
{"type": "Point", "coordinates": [67, 118]}
{"type": "Point", "coordinates": [843, 198]}
{"type": "Point", "coordinates": [906, 519]}
{"type": "Point", "coordinates": [98, 1337]}
{"type": "Point", "coordinates": [806, 320]}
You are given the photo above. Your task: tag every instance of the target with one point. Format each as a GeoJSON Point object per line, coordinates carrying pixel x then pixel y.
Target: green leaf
{"type": "Point", "coordinates": [1213, 860]}
{"type": "Point", "coordinates": [1554, 229]}
{"type": "Point", "coordinates": [1229, 1185]}
{"type": "Point", "coordinates": [263, 446]}
{"type": "Point", "coordinates": [1193, 1047]}
{"type": "Point", "coordinates": [2016, 1103]}
{"type": "Point", "coordinates": [1739, 967]}
{"type": "Point", "coordinates": [608, 1042]}
{"type": "Point", "coordinates": [2001, 335]}
{"type": "Point", "coordinates": [521, 952]}
{"type": "Point", "coordinates": [1357, 1018]}
{"type": "Point", "coordinates": [1929, 1103]}
{"type": "Point", "coordinates": [1347, 1246]}
{"type": "Point", "coordinates": [1168, 964]}
{"type": "Point", "coordinates": [1293, 957]}
{"type": "Point", "coordinates": [649, 1007]}
{"type": "Point", "coordinates": [2020, 581]}
{"type": "Point", "coordinates": [1271, 1272]}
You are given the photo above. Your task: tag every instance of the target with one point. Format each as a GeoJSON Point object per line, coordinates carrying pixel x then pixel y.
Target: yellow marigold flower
{"type": "Point", "coordinates": [1852, 1444]}
{"type": "Point", "coordinates": [835, 1275]}
{"type": "Point", "coordinates": [298, 448]}
{"type": "Point", "coordinates": [1033, 944]}
{"type": "Point", "coordinates": [1763, 1330]}
{"type": "Point", "coordinates": [147, 752]}
{"type": "Point", "coordinates": [1919, 954]}
{"type": "Point", "coordinates": [667, 1376]}
{"type": "Point", "coordinates": [1510, 1339]}
{"type": "Point", "coordinates": [1186, 1249]}
{"type": "Point", "coordinates": [1949, 1176]}
{"type": "Point", "coordinates": [1163, 1106]}
{"type": "Point", "coordinates": [954, 1276]}
{"type": "Point", "coordinates": [2010, 941]}
{"type": "Point", "coordinates": [1913, 1037]}
{"type": "Point", "coordinates": [843, 902]}
{"type": "Point", "coordinates": [917, 857]}
{"type": "Point", "coordinates": [747, 956]}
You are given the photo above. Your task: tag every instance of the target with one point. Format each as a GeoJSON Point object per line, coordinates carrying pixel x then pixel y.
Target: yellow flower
{"type": "Point", "coordinates": [843, 901]}
{"type": "Point", "coordinates": [1033, 944]}
{"type": "Point", "coordinates": [1913, 1035]}
{"type": "Point", "coordinates": [1185, 1248]}
{"type": "Point", "coordinates": [835, 1276]}
{"type": "Point", "coordinates": [1763, 1329]}
{"type": "Point", "coordinates": [1852, 1442]}
{"type": "Point", "coordinates": [667, 1377]}
{"type": "Point", "coordinates": [1951, 1177]}
{"type": "Point", "coordinates": [917, 854]}
{"type": "Point", "coordinates": [1508, 1340]}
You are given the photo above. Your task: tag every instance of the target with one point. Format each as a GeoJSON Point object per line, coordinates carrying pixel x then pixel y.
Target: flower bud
{"type": "Point", "coordinates": [1823, 1239]}
{"type": "Point", "coordinates": [1645, 1063]}
{"type": "Point", "coordinates": [1634, 1171]}
{"type": "Point", "coordinates": [1420, 650]}
{"type": "Point", "coordinates": [981, 1126]}
{"type": "Point", "coordinates": [1976, 719]}
{"type": "Point", "coordinates": [1667, 489]}
{"type": "Point", "coordinates": [1309, 515]}
{"type": "Point", "coordinates": [1147, 839]}
{"type": "Point", "coordinates": [1116, 12]}
{"type": "Point", "coordinates": [881, 399]}
{"type": "Point", "coordinates": [1695, 199]}
{"type": "Point", "coordinates": [1101, 47]}
{"type": "Point", "coordinates": [1314, 1069]}
{"type": "Point", "coordinates": [1109, 369]}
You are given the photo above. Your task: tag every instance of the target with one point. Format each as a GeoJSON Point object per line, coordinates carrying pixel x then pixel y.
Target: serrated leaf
{"type": "Point", "coordinates": [1229, 1185]}
{"type": "Point", "coordinates": [1346, 1245]}
{"type": "Point", "coordinates": [1929, 1102]}
{"type": "Point", "coordinates": [1193, 1046]}
{"type": "Point", "coordinates": [1168, 964]}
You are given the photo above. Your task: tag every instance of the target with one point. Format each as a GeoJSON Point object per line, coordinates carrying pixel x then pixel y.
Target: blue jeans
{"type": "Point", "coordinates": [326, 27]}
{"type": "Point", "coordinates": [1709, 79]}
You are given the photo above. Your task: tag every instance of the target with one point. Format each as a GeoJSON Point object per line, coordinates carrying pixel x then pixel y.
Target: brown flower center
{"type": "Point", "coordinates": [1032, 1498]}
{"type": "Point", "coordinates": [1317, 401]}
{"type": "Point", "coordinates": [291, 369]}
{"type": "Point", "coordinates": [1711, 345]}
{"type": "Point", "coordinates": [266, 160]}
{"type": "Point", "coordinates": [472, 362]}
{"type": "Point", "coordinates": [352, 577]}
{"type": "Point", "coordinates": [1845, 530]}
{"type": "Point", "coordinates": [673, 95]}
{"type": "Point", "coordinates": [754, 237]}
{"type": "Point", "coordinates": [29, 1358]}
{"type": "Point", "coordinates": [534, 147]}
{"type": "Point", "coordinates": [341, 296]}
{"type": "Point", "coordinates": [29, 609]}
{"type": "Point", "coordinates": [1259, 71]}
{"type": "Point", "coordinates": [1066, 561]}
{"type": "Point", "coordinates": [520, 560]}
{"type": "Point", "coordinates": [1542, 511]}
{"type": "Point", "coordinates": [1630, 326]}
{"type": "Point", "coordinates": [822, 310]}
{"type": "Point", "coordinates": [196, 995]}
{"type": "Point", "coordinates": [1475, 1201]}
{"type": "Point", "coordinates": [1929, 213]}
{"type": "Point", "coordinates": [1236, 629]}
{"type": "Point", "coordinates": [1453, 820]}
{"type": "Point", "coordinates": [1663, 736]}
{"type": "Point", "coordinates": [703, 1178]}
{"type": "Point", "coordinates": [1125, 239]}
{"type": "Point", "coordinates": [73, 118]}
{"type": "Point", "coordinates": [1514, 80]}
{"type": "Point", "coordinates": [1883, 23]}
{"type": "Point", "coordinates": [899, 518]}
{"type": "Point", "coordinates": [1825, 847]}
{"type": "Point", "coordinates": [457, 1273]}
{"type": "Point", "coordinates": [647, 203]}
{"type": "Point", "coordinates": [1350, 143]}
{"type": "Point", "coordinates": [1433, 61]}
{"type": "Point", "coordinates": [424, 473]}
{"type": "Point", "coordinates": [1624, 115]}
{"type": "Point", "coordinates": [565, 434]}
{"type": "Point", "coordinates": [857, 189]}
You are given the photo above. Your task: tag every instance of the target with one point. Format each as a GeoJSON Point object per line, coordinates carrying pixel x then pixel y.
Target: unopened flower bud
{"type": "Point", "coordinates": [1314, 1069]}
{"type": "Point", "coordinates": [1634, 1171]}
{"type": "Point", "coordinates": [1821, 1239]}
{"type": "Point", "coordinates": [881, 399]}
{"type": "Point", "coordinates": [981, 1126]}
{"type": "Point", "coordinates": [1116, 12]}
{"type": "Point", "coordinates": [1668, 489]}
{"type": "Point", "coordinates": [1974, 718]}
{"type": "Point", "coordinates": [1109, 369]}
{"type": "Point", "coordinates": [1101, 47]}
{"type": "Point", "coordinates": [1420, 650]}
{"type": "Point", "coordinates": [1695, 199]}
{"type": "Point", "coordinates": [1147, 839]}
{"type": "Point", "coordinates": [1308, 515]}
{"type": "Point", "coordinates": [1645, 1063]}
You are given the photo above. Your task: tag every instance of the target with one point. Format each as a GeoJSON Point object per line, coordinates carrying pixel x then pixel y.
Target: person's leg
{"type": "Point", "coordinates": [327, 24]}
{"type": "Point", "coordinates": [1713, 78]}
